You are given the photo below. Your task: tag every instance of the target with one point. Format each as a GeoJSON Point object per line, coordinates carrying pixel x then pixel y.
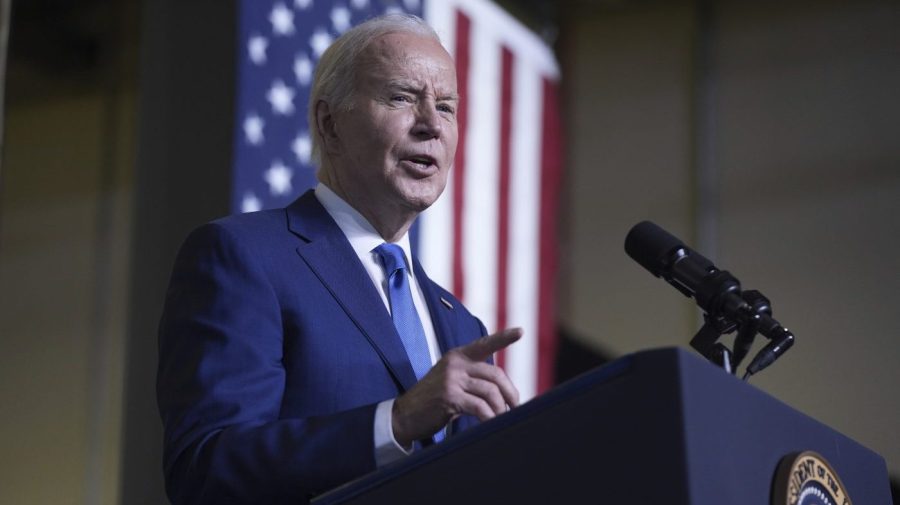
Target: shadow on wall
{"type": "Point", "coordinates": [573, 357]}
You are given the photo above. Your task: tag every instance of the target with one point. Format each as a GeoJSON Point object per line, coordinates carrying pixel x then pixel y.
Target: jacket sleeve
{"type": "Point", "coordinates": [220, 384]}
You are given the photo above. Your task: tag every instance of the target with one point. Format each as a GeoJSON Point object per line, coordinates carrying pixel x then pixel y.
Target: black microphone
{"type": "Point", "coordinates": [665, 256]}
{"type": "Point", "coordinates": [716, 291]}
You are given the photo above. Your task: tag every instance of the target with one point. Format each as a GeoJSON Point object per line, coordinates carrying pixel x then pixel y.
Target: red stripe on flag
{"type": "Point", "coordinates": [462, 79]}
{"type": "Point", "coordinates": [551, 172]}
{"type": "Point", "coordinates": [506, 85]}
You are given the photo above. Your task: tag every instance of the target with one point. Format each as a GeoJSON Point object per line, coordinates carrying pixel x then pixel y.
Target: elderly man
{"type": "Point", "coordinates": [305, 346]}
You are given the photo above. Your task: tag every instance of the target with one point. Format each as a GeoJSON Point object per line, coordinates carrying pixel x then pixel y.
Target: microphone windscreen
{"type": "Point", "coordinates": [650, 246]}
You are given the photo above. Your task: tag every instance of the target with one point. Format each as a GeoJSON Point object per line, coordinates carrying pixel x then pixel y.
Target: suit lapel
{"type": "Point", "coordinates": [330, 256]}
{"type": "Point", "coordinates": [440, 313]}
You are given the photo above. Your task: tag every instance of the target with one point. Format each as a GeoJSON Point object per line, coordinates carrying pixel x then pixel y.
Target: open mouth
{"type": "Point", "coordinates": [420, 166]}
{"type": "Point", "coordinates": [422, 161]}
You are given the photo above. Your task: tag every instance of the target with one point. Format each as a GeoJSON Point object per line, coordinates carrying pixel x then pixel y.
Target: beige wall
{"type": "Point", "coordinates": [809, 148]}
{"type": "Point", "coordinates": [805, 144]}
{"type": "Point", "coordinates": [628, 113]}
{"type": "Point", "coordinates": [65, 212]}
{"type": "Point", "coordinates": [63, 269]}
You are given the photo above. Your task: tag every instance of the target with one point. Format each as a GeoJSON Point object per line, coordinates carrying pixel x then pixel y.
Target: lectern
{"type": "Point", "coordinates": [656, 427]}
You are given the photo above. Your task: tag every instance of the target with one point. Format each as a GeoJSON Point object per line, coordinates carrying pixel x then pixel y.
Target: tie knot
{"type": "Point", "coordinates": [392, 256]}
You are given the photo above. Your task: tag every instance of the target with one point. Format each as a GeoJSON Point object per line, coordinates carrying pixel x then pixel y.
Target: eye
{"type": "Point", "coordinates": [401, 99]}
{"type": "Point", "coordinates": [446, 108]}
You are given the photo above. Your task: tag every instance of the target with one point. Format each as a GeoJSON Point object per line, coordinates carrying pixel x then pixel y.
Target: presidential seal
{"type": "Point", "coordinates": [807, 479]}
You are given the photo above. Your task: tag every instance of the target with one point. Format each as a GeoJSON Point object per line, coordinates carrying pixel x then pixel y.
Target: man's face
{"type": "Point", "coordinates": [397, 141]}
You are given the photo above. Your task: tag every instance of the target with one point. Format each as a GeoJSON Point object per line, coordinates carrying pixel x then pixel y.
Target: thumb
{"type": "Point", "coordinates": [484, 347]}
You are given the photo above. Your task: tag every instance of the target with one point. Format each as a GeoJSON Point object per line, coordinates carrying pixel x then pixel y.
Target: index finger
{"type": "Point", "coordinates": [484, 347]}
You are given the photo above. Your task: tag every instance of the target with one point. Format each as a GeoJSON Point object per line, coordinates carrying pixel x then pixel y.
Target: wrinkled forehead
{"type": "Point", "coordinates": [406, 56]}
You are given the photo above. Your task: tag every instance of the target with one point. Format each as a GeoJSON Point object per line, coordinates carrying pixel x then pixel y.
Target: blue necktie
{"type": "Point", "coordinates": [403, 311]}
{"type": "Point", "coordinates": [404, 314]}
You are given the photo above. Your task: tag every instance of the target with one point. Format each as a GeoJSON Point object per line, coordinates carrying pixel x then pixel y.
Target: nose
{"type": "Point", "coordinates": [428, 121]}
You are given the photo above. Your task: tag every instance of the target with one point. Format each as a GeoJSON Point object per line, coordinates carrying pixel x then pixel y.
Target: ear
{"type": "Point", "coordinates": [325, 124]}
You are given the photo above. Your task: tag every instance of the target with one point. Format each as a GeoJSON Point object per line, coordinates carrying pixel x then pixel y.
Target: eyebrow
{"type": "Point", "coordinates": [409, 87]}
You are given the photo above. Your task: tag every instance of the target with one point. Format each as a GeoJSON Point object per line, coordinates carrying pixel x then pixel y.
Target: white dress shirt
{"type": "Point", "coordinates": [364, 239]}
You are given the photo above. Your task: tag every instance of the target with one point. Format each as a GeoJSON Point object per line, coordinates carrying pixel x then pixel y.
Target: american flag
{"type": "Point", "coordinates": [491, 238]}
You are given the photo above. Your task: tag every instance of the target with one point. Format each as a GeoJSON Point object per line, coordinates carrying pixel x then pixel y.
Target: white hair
{"type": "Point", "coordinates": [334, 80]}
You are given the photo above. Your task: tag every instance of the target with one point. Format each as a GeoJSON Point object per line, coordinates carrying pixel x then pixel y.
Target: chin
{"type": "Point", "coordinates": [419, 204]}
{"type": "Point", "coordinates": [420, 198]}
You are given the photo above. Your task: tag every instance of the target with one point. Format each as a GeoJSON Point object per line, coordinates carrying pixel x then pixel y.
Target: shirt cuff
{"type": "Point", "coordinates": [387, 449]}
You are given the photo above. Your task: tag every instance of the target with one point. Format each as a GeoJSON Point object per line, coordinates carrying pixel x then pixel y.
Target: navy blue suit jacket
{"type": "Point", "coordinates": [274, 350]}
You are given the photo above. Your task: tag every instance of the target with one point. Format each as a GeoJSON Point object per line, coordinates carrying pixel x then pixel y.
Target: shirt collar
{"type": "Point", "coordinates": [359, 232]}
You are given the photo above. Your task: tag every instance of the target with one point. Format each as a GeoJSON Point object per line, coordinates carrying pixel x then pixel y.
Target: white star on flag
{"type": "Point", "coordinates": [360, 4]}
{"type": "Point", "coordinates": [256, 47]}
{"type": "Point", "coordinates": [302, 147]}
{"type": "Point", "coordinates": [250, 203]}
{"type": "Point", "coordinates": [302, 4]}
{"type": "Point", "coordinates": [340, 18]}
{"type": "Point", "coordinates": [253, 129]}
{"type": "Point", "coordinates": [411, 4]}
{"type": "Point", "coordinates": [281, 97]}
{"type": "Point", "coordinates": [320, 41]}
{"type": "Point", "coordinates": [282, 20]}
{"type": "Point", "coordinates": [303, 69]}
{"type": "Point", "coordinates": [279, 178]}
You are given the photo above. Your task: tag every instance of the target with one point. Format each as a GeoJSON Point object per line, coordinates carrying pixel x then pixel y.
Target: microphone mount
{"type": "Point", "coordinates": [748, 312]}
